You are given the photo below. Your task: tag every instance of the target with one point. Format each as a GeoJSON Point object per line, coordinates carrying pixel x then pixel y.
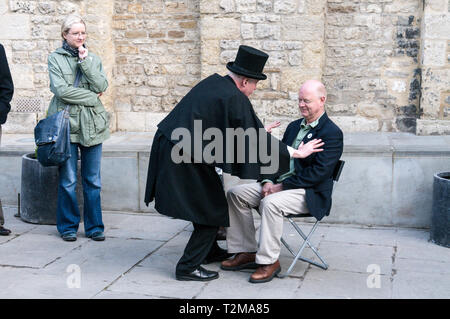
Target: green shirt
{"type": "Point", "coordinates": [304, 129]}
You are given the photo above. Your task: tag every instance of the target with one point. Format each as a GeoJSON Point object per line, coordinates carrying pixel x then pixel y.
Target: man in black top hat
{"type": "Point", "coordinates": [6, 94]}
{"type": "Point", "coordinates": [190, 189]}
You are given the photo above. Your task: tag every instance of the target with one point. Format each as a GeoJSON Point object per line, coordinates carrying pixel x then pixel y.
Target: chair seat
{"type": "Point", "coordinates": [299, 215]}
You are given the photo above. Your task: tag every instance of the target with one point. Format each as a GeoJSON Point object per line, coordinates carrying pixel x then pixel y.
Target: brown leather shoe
{"type": "Point", "coordinates": [240, 261]}
{"type": "Point", "coordinates": [265, 273]}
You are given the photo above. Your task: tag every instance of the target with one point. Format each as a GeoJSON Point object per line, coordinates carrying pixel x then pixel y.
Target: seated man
{"type": "Point", "coordinates": [306, 188]}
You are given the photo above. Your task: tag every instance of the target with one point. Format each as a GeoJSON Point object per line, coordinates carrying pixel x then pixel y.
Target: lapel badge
{"type": "Point", "coordinates": [309, 135]}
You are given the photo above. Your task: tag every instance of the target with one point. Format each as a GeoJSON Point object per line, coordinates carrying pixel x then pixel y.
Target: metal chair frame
{"type": "Point", "coordinates": [306, 238]}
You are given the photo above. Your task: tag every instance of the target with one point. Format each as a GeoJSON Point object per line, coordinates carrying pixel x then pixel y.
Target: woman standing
{"type": "Point", "coordinates": [89, 127]}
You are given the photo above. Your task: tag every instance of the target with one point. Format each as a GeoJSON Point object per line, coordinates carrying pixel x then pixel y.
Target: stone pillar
{"type": "Point", "coordinates": [98, 16]}
{"type": "Point", "coordinates": [435, 63]}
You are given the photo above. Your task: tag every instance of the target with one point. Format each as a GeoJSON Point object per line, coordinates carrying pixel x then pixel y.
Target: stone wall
{"type": "Point", "coordinates": [372, 64]}
{"type": "Point", "coordinates": [157, 46]}
{"type": "Point", "coordinates": [385, 62]}
{"type": "Point", "coordinates": [435, 47]}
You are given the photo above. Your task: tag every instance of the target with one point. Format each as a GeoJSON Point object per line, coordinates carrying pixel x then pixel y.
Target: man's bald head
{"type": "Point", "coordinates": [316, 87]}
{"type": "Point", "coordinates": [311, 100]}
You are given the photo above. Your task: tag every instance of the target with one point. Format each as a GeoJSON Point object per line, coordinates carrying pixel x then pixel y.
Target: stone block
{"type": "Point", "coordinates": [375, 110]}
{"type": "Point", "coordinates": [176, 34]}
{"type": "Point", "coordinates": [23, 45]}
{"type": "Point", "coordinates": [32, 250]}
{"type": "Point", "coordinates": [284, 6]}
{"type": "Point", "coordinates": [214, 6]}
{"type": "Point", "coordinates": [188, 24]}
{"type": "Point", "coordinates": [16, 26]}
{"type": "Point", "coordinates": [433, 127]}
{"type": "Point", "coordinates": [135, 8]}
{"type": "Point", "coordinates": [363, 172]}
{"type": "Point", "coordinates": [282, 107]}
{"type": "Point", "coordinates": [436, 5]}
{"type": "Point", "coordinates": [136, 34]}
{"type": "Point", "coordinates": [19, 123]}
{"type": "Point", "coordinates": [22, 6]}
{"type": "Point", "coordinates": [230, 44]}
{"type": "Point", "coordinates": [292, 77]}
{"type": "Point", "coordinates": [412, 192]}
{"type": "Point", "coordinates": [264, 6]}
{"type": "Point", "coordinates": [114, 195]}
{"type": "Point", "coordinates": [342, 285]}
{"type": "Point", "coordinates": [436, 26]}
{"type": "Point", "coordinates": [295, 58]}
{"type": "Point", "coordinates": [308, 28]}
{"type": "Point", "coordinates": [210, 52]}
{"type": "Point", "coordinates": [344, 109]}
{"type": "Point", "coordinates": [433, 286]}
{"type": "Point", "coordinates": [131, 121]}
{"type": "Point", "coordinates": [406, 6]}
{"type": "Point", "coordinates": [253, 18]}
{"type": "Point", "coordinates": [312, 59]}
{"type": "Point", "coordinates": [315, 7]}
{"type": "Point", "coordinates": [153, 6]}
{"type": "Point", "coordinates": [156, 81]}
{"type": "Point", "coordinates": [267, 30]}
{"type": "Point", "coordinates": [247, 31]}
{"type": "Point", "coordinates": [11, 169]}
{"type": "Point", "coordinates": [214, 28]}
{"type": "Point", "coordinates": [434, 53]}
{"type": "Point", "coordinates": [277, 59]}
{"type": "Point", "coordinates": [245, 6]}
{"type": "Point", "coordinates": [356, 123]}
{"type": "Point", "coordinates": [146, 103]}
{"type": "Point", "coordinates": [3, 7]}
{"type": "Point", "coordinates": [175, 7]}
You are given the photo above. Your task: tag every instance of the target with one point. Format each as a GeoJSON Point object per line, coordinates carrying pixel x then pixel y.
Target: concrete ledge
{"type": "Point", "coordinates": [387, 179]}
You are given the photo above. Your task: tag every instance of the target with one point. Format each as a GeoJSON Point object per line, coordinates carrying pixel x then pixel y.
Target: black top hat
{"type": "Point", "coordinates": [249, 62]}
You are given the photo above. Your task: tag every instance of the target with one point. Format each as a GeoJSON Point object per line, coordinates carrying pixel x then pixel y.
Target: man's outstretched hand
{"type": "Point", "coordinates": [304, 150]}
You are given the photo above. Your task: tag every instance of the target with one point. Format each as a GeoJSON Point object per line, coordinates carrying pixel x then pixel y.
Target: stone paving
{"type": "Point", "coordinates": [138, 257]}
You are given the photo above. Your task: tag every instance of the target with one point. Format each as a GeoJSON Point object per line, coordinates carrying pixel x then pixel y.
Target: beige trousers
{"type": "Point", "coordinates": [272, 208]}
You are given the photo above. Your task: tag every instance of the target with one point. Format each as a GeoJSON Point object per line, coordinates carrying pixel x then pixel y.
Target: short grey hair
{"type": "Point", "coordinates": [240, 77]}
{"type": "Point", "coordinates": [69, 21]}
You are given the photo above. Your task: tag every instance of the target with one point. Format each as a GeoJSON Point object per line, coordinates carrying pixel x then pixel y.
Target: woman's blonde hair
{"type": "Point", "coordinates": [69, 21]}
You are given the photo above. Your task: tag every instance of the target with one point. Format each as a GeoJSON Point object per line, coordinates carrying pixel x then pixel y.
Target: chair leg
{"type": "Point", "coordinates": [324, 264]}
{"type": "Point", "coordinates": [297, 256]}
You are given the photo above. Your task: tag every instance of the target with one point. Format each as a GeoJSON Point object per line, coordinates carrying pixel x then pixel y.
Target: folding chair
{"type": "Point", "coordinates": [306, 238]}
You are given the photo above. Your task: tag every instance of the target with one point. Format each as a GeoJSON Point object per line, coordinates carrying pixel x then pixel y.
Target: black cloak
{"type": "Point", "coordinates": [192, 190]}
{"type": "Point", "coordinates": [6, 86]}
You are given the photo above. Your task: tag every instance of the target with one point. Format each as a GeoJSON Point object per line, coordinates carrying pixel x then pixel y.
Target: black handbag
{"type": "Point", "coordinates": [52, 136]}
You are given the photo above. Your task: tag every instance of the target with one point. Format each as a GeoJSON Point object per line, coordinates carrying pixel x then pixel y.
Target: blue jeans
{"type": "Point", "coordinates": [68, 214]}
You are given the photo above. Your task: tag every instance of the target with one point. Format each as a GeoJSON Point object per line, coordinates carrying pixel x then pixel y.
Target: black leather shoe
{"type": "Point", "coordinates": [4, 231]}
{"type": "Point", "coordinates": [221, 234]}
{"type": "Point", "coordinates": [219, 255]}
{"type": "Point", "coordinates": [200, 274]}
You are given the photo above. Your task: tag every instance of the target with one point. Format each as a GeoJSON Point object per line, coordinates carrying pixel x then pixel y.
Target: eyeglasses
{"type": "Point", "coordinates": [83, 34]}
{"type": "Point", "coordinates": [307, 102]}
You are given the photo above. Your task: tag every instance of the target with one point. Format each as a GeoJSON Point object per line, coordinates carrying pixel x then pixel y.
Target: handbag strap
{"type": "Point", "coordinates": [75, 84]}
{"type": "Point", "coordinates": [77, 78]}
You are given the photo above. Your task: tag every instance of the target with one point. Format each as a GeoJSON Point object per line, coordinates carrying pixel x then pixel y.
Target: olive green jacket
{"type": "Point", "coordinates": [89, 121]}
